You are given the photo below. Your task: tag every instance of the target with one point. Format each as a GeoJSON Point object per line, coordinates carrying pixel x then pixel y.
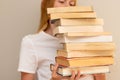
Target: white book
{"type": "Point", "coordinates": [101, 38]}
{"type": "Point", "coordinates": [66, 71]}
{"type": "Point", "coordinates": [62, 29]}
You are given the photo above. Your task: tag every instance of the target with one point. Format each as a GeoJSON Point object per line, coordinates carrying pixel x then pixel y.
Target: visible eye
{"type": "Point", "coordinates": [62, 1]}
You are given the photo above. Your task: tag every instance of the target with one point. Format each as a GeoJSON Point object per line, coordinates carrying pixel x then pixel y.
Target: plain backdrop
{"type": "Point", "coordinates": [21, 17]}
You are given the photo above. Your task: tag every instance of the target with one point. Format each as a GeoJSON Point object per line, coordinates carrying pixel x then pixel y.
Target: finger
{"type": "Point", "coordinates": [55, 68]}
{"type": "Point", "coordinates": [54, 72]}
{"type": "Point", "coordinates": [73, 75]}
{"type": "Point", "coordinates": [82, 76]}
{"type": "Point", "coordinates": [78, 75]}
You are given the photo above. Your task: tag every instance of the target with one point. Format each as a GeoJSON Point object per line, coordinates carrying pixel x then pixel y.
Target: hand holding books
{"type": "Point", "coordinates": [56, 76]}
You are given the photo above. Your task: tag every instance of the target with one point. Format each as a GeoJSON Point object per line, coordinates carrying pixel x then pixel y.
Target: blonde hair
{"type": "Point", "coordinates": [44, 16]}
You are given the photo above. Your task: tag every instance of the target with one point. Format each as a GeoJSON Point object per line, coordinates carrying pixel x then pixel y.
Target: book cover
{"type": "Point", "coordinates": [73, 15]}
{"type": "Point", "coordinates": [85, 34]}
{"type": "Point", "coordinates": [85, 61]}
{"type": "Point", "coordinates": [89, 46]}
{"type": "Point", "coordinates": [78, 22]}
{"type": "Point", "coordinates": [101, 38]}
{"type": "Point", "coordinates": [84, 53]}
{"type": "Point", "coordinates": [70, 9]}
{"type": "Point", "coordinates": [62, 29]}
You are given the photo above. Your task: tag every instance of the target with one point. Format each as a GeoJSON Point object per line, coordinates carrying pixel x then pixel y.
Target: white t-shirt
{"type": "Point", "coordinates": [38, 51]}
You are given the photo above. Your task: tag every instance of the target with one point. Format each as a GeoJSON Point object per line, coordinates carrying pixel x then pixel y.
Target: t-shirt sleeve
{"type": "Point", "coordinates": [28, 58]}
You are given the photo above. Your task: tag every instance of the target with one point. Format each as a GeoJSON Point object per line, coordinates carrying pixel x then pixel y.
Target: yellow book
{"type": "Point", "coordinates": [89, 46]}
{"type": "Point", "coordinates": [84, 53]}
{"type": "Point", "coordinates": [84, 62]}
{"type": "Point", "coordinates": [78, 22]}
{"type": "Point", "coordinates": [73, 15]}
{"type": "Point", "coordinates": [62, 29]}
{"type": "Point", "coordinates": [70, 9]}
{"type": "Point", "coordinates": [87, 34]}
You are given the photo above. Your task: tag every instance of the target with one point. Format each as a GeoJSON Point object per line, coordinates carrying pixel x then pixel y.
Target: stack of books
{"type": "Point", "coordinates": [86, 46]}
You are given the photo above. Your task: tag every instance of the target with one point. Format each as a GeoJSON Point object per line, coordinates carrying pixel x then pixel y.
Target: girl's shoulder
{"type": "Point", "coordinates": [33, 36]}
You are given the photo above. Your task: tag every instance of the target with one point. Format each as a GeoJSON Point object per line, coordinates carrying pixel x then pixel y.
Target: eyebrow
{"type": "Point", "coordinates": [64, 0]}
{"type": "Point", "coordinates": [72, 0]}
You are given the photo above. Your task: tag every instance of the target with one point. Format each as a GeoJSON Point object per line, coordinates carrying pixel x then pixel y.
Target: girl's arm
{"type": "Point", "coordinates": [27, 76]}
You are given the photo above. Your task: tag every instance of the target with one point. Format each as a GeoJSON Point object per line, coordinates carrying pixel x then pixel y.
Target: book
{"type": "Point", "coordinates": [89, 46]}
{"type": "Point", "coordinates": [101, 38]}
{"type": "Point", "coordinates": [78, 22]}
{"type": "Point", "coordinates": [70, 9]}
{"type": "Point", "coordinates": [62, 29]}
{"type": "Point", "coordinates": [67, 71]}
{"type": "Point", "coordinates": [84, 61]}
{"type": "Point", "coordinates": [84, 53]}
{"type": "Point", "coordinates": [73, 15]}
{"type": "Point", "coordinates": [79, 34]}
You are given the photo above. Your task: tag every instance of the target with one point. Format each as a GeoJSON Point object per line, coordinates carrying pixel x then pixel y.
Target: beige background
{"type": "Point", "coordinates": [21, 17]}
